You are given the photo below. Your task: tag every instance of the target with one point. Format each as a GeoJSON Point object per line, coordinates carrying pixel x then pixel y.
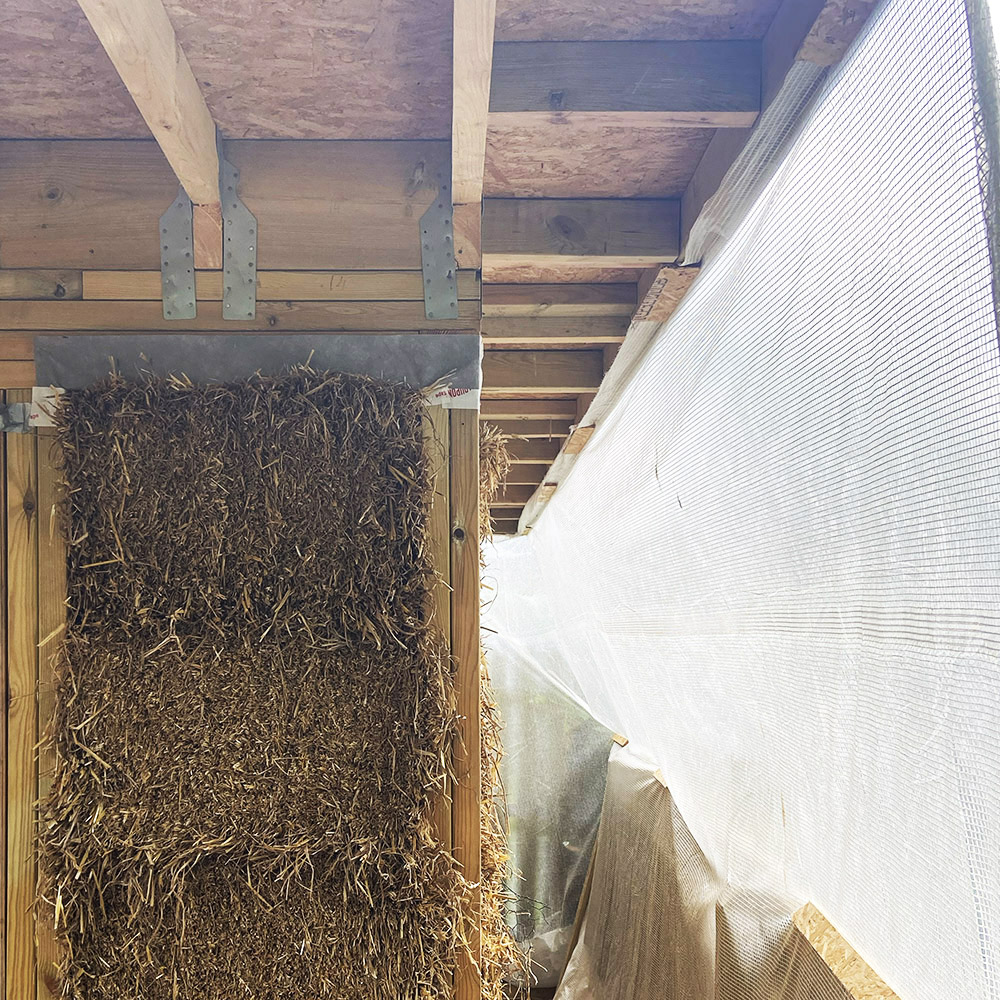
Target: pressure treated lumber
{"type": "Point", "coordinates": [598, 299]}
{"type": "Point", "coordinates": [599, 232]}
{"type": "Point", "coordinates": [552, 332]}
{"type": "Point", "coordinates": [40, 284]}
{"type": "Point", "coordinates": [437, 438]}
{"type": "Point", "coordinates": [298, 286]}
{"type": "Point", "coordinates": [528, 409]}
{"type": "Point", "coordinates": [700, 80]}
{"type": "Point", "coordinates": [320, 206]}
{"type": "Point", "coordinates": [22, 712]}
{"type": "Point", "coordinates": [543, 373]}
{"type": "Point", "coordinates": [133, 316]}
{"type": "Point", "coordinates": [466, 807]}
{"type": "Point", "coordinates": [139, 38]}
{"type": "Point", "coordinates": [51, 624]}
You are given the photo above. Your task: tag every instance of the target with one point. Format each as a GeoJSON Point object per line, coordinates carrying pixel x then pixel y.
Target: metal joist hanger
{"type": "Point", "coordinates": [437, 255]}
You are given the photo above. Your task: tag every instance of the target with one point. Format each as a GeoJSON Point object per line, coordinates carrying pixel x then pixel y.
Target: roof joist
{"type": "Point", "coordinates": [139, 38]}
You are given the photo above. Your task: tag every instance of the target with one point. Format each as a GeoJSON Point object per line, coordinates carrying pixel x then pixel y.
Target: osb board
{"type": "Point", "coordinates": [583, 20]}
{"type": "Point", "coordinates": [538, 274]}
{"type": "Point", "coordinates": [574, 158]}
{"type": "Point", "coordinates": [320, 206]}
{"type": "Point", "coordinates": [354, 69]}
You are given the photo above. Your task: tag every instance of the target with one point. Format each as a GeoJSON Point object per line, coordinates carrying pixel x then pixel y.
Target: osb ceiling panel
{"type": "Point", "coordinates": [584, 20]}
{"type": "Point", "coordinates": [314, 69]}
{"type": "Point", "coordinates": [577, 159]}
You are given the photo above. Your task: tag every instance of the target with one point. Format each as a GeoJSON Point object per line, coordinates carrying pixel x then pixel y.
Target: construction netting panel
{"type": "Point", "coordinates": [774, 567]}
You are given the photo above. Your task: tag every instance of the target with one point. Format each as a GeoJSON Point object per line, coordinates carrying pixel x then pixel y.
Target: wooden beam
{"type": "Point", "coordinates": [465, 648]}
{"type": "Point", "coordinates": [518, 495]}
{"type": "Point", "coordinates": [37, 284]}
{"type": "Point", "coordinates": [661, 294]}
{"type": "Point", "coordinates": [815, 31]}
{"type": "Point", "coordinates": [584, 331]}
{"type": "Point", "coordinates": [528, 409]}
{"type": "Point", "coordinates": [533, 452]}
{"type": "Point", "coordinates": [699, 83]}
{"type": "Point", "coordinates": [526, 474]}
{"type": "Point", "coordinates": [598, 299]}
{"type": "Point", "coordinates": [854, 974]}
{"type": "Point", "coordinates": [321, 206]}
{"type": "Point", "coordinates": [505, 526]}
{"type": "Point", "coordinates": [297, 286]}
{"type": "Point", "coordinates": [472, 63]}
{"type": "Point", "coordinates": [507, 373]}
{"type": "Point", "coordinates": [600, 232]}
{"type": "Point", "coordinates": [128, 316]}
{"type": "Point", "coordinates": [139, 38]}
{"type": "Point", "coordinates": [545, 429]}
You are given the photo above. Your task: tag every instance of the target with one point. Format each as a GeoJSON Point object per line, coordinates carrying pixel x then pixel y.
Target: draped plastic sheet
{"type": "Point", "coordinates": [775, 565]}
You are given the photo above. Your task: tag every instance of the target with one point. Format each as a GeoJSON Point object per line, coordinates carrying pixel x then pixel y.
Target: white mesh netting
{"type": "Point", "coordinates": [775, 565]}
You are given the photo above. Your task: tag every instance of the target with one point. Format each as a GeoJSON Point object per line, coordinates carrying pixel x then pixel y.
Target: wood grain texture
{"type": "Point", "coordinates": [562, 272]}
{"type": "Point", "coordinates": [357, 69]}
{"type": "Point", "coordinates": [570, 20]}
{"type": "Point", "coordinates": [51, 619]}
{"type": "Point", "coordinates": [472, 62]}
{"type": "Point", "coordinates": [602, 232]}
{"type": "Point", "coordinates": [320, 206]}
{"type": "Point", "coordinates": [858, 978]}
{"type": "Point", "coordinates": [546, 331]}
{"type": "Point", "coordinates": [3, 720]}
{"type": "Point", "coordinates": [549, 372]}
{"type": "Point", "coordinates": [206, 224]}
{"type": "Point", "coordinates": [637, 76]}
{"type": "Point", "coordinates": [533, 452]}
{"type": "Point", "coordinates": [664, 293]}
{"type": "Point", "coordinates": [22, 717]}
{"type": "Point", "coordinates": [298, 286]}
{"type": "Point", "coordinates": [527, 409]}
{"type": "Point", "coordinates": [129, 316]}
{"type": "Point", "coordinates": [17, 374]}
{"type": "Point", "coordinates": [602, 299]}
{"type": "Point", "coordinates": [437, 441]}
{"type": "Point", "coordinates": [466, 808]}
{"type": "Point", "coordinates": [38, 284]}
{"type": "Point", "coordinates": [570, 159]}
{"type": "Point", "coordinates": [545, 429]}
{"type": "Point", "coordinates": [139, 39]}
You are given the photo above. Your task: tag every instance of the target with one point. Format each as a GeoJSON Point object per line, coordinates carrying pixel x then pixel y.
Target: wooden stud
{"type": "Point", "coordinates": [466, 807]}
{"type": "Point", "coordinates": [437, 441]}
{"type": "Point", "coordinates": [22, 717]}
{"type": "Point", "coordinates": [296, 286]}
{"type": "Point", "coordinates": [207, 226]}
{"type": "Point", "coordinates": [544, 429]}
{"type": "Point", "coordinates": [139, 38]}
{"type": "Point", "coordinates": [51, 620]}
{"type": "Point", "coordinates": [36, 284]}
{"type": "Point", "coordinates": [661, 294]}
{"type": "Point", "coordinates": [699, 80]}
{"type": "Point", "coordinates": [546, 331]}
{"type": "Point", "coordinates": [858, 978]}
{"type": "Point", "coordinates": [272, 317]}
{"type": "Point", "coordinates": [601, 232]}
{"type": "Point", "coordinates": [599, 299]}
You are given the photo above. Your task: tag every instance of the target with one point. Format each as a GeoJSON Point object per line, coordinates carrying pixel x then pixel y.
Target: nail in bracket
{"type": "Point", "coordinates": [437, 256]}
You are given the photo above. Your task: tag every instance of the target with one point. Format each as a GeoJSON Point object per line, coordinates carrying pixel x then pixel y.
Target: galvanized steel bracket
{"type": "Point", "coordinates": [437, 255]}
{"type": "Point", "coordinates": [239, 248]}
{"type": "Point", "coordinates": [177, 259]}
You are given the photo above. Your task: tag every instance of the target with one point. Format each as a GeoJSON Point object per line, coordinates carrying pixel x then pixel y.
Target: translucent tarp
{"type": "Point", "coordinates": [774, 567]}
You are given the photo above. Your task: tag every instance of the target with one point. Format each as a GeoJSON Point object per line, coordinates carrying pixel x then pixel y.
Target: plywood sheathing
{"type": "Point", "coordinates": [356, 69]}
{"type": "Point", "coordinates": [562, 157]}
{"type": "Point", "coordinates": [582, 20]}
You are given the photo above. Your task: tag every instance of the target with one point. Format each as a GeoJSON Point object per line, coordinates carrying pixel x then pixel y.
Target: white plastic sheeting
{"type": "Point", "coordinates": [775, 565]}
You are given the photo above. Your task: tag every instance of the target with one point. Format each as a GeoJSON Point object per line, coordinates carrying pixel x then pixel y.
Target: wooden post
{"type": "Point", "coordinates": [466, 815]}
{"type": "Point", "coordinates": [22, 713]}
{"type": "Point", "coordinates": [437, 440]}
{"type": "Point", "coordinates": [51, 627]}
